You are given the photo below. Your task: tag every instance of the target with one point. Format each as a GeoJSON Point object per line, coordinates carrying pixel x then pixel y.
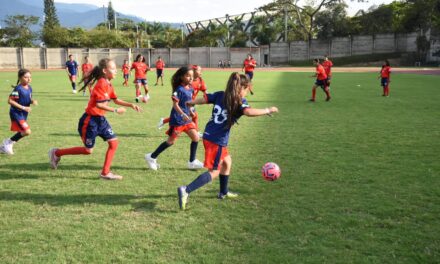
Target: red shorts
{"type": "Point", "coordinates": [174, 131]}
{"type": "Point", "coordinates": [19, 125]}
{"type": "Point", "coordinates": [214, 155]}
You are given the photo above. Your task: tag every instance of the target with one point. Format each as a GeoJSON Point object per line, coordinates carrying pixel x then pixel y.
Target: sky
{"type": "Point", "coordinates": [178, 11]}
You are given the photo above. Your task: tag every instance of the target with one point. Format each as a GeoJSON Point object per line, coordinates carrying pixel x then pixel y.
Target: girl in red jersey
{"type": "Point", "coordinates": [140, 77]}
{"type": "Point", "coordinates": [160, 65]}
{"type": "Point", "coordinates": [198, 84]}
{"type": "Point", "coordinates": [93, 123]}
{"type": "Point", "coordinates": [86, 68]}
{"type": "Point", "coordinates": [321, 81]}
{"type": "Point", "coordinates": [328, 64]}
{"type": "Point", "coordinates": [125, 72]}
{"type": "Point", "coordinates": [385, 73]}
{"type": "Point", "coordinates": [20, 100]}
{"type": "Point", "coordinates": [179, 119]}
{"type": "Point", "coordinates": [229, 106]}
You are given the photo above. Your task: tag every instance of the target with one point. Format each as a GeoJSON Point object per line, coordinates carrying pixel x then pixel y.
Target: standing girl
{"type": "Point", "coordinates": [385, 73]}
{"type": "Point", "coordinates": [86, 68]}
{"type": "Point", "coordinates": [93, 123]}
{"type": "Point", "coordinates": [160, 65]}
{"type": "Point", "coordinates": [179, 119]}
{"type": "Point", "coordinates": [125, 72]}
{"type": "Point", "coordinates": [140, 77]}
{"type": "Point", "coordinates": [20, 100]}
{"type": "Point", "coordinates": [229, 106]}
{"type": "Point", "coordinates": [72, 71]}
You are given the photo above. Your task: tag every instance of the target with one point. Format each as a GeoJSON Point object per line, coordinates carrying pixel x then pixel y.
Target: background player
{"type": "Point", "coordinates": [20, 100]}
{"type": "Point", "coordinates": [328, 64]}
{"type": "Point", "coordinates": [140, 76]}
{"type": "Point", "coordinates": [93, 123]}
{"type": "Point", "coordinates": [321, 81]}
{"type": "Point", "coordinates": [179, 120]}
{"type": "Point", "coordinates": [125, 72]}
{"type": "Point", "coordinates": [72, 71]}
{"type": "Point", "coordinates": [385, 73]}
{"type": "Point", "coordinates": [229, 106]}
{"type": "Point", "coordinates": [86, 68]}
{"type": "Point", "coordinates": [160, 65]}
{"type": "Point", "coordinates": [249, 65]}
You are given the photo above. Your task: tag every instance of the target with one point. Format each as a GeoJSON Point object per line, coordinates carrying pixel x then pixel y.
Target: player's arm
{"type": "Point", "coordinates": [251, 112]}
{"type": "Point", "coordinates": [67, 70]}
{"type": "Point", "coordinates": [198, 101]}
{"type": "Point", "coordinates": [127, 104]}
{"type": "Point", "coordinates": [180, 111]}
{"type": "Point", "coordinates": [15, 104]}
{"type": "Point", "coordinates": [104, 106]}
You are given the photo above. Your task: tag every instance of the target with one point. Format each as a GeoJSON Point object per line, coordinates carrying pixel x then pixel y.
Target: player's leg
{"type": "Point", "coordinates": [225, 171]}
{"type": "Point", "coordinates": [313, 93]}
{"type": "Point", "coordinates": [138, 90]}
{"type": "Point", "coordinates": [184, 191]}
{"type": "Point", "coordinates": [193, 163]}
{"type": "Point", "coordinates": [151, 158]}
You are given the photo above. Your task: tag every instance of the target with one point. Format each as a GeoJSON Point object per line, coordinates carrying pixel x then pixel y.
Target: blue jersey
{"type": "Point", "coordinates": [217, 130]}
{"type": "Point", "coordinates": [181, 95]}
{"type": "Point", "coordinates": [72, 66]}
{"type": "Point", "coordinates": [23, 97]}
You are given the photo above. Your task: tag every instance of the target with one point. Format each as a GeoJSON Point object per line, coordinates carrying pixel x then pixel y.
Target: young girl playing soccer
{"type": "Point", "coordinates": [20, 100]}
{"type": "Point", "coordinates": [140, 77]}
{"type": "Point", "coordinates": [385, 73]}
{"type": "Point", "coordinates": [229, 106]}
{"type": "Point", "coordinates": [86, 68]}
{"type": "Point", "coordinates": [321, 81]}
{"type": "Point", "coordinates": [93, 123]}
{"type": "Point", "coordinates": [179, 119]}
{"type": "Point", "coordinates": [125, 72]}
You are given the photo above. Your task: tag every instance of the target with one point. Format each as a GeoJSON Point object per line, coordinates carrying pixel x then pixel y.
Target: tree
{"type": "Point", "coordinates": [111, 15]}
{"type": "Point", "coordinates": [333, 22]}
{"type": "Point", "coordinates": [50, 15]}
{"type": "Point", "coordinates": [17, 32]}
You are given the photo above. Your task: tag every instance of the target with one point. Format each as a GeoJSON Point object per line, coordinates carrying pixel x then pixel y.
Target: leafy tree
{"type": "Point", "coordinates": [333, 22]}
{"type": "Point", "coordinates": [50, 15]}
{"type": "Point", "coordinates": [17, 32]}
{"type": "Point", "coordinates": [111, 15]}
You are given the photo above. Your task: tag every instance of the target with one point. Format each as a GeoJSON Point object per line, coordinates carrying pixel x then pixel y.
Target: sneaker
{"type": "Point", "coordinates": [196, 164]}
{"type": "Point", "coordinates": [222, 196]}
{"type": "Point", "coordinates": [183, 197]}
{"type": "Point", "coordinates": [111, 176]}
{"type": "Point", "coordinates": [8, 145]}
{"type": "Point", "coordinates": [160, 124]}
{"type": "Point", "coordinates": [328, 99]}
{"type": "Point", "coordinates": [53, 158]}
{"type": "Point", "coordinates": [74, 91]}
{"type": "Point", "coordinates": [137, 100]}
{"type": "Point", "coordinates": [2, 149]}
{"type": "Point", "coordinates": [152, 163]}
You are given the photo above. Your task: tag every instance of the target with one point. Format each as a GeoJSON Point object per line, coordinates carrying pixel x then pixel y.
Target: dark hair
{"type": "Point", "coordinates": [138, 56]}
{"type": "Point", "coordinates": [316, 60]}
{"type": "Point", "coordinates": [176, 79]}
{"type": "Point", "coordinates": [20, 74]}
{"type": "Point", "coordinates": [232, 100]}
{"type": "Point", "coordinates": [70, 55]}
{"type": "Point", "coordinates": [95, 74]}
{"type": "Point", "coordinates": [387, 62]}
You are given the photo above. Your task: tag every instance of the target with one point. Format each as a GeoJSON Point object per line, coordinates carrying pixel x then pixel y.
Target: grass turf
{"type": "Point", "coordinates": [360, 179]}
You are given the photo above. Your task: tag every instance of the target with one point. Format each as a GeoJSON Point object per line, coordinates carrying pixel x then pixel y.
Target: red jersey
{"type": "Point", "coordinates": [328, 64]}
{"type": "Point", "coordinates": [125, 69]}
{"type": "Point", "coordinates": [160, 64]}
{"type": "Point", "coordinates": [103, 92]}
{"type": "Point", "coordinates": [320, 72]}
{"type": "Point", "coordinates": [249, 65]}
{"type": "Point", "coordinates": [86, 68]}
{"type": "Point", "coordinates": [385, 72]}
{"type": "Point", "coordinates": [198, 84]}
{"type": "Point", "coordinates": [140, 69]}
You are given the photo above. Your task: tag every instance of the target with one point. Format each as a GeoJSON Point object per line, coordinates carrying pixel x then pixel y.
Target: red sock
{"type": "Point", "coordinates": [138, 92]}
{"type": "Point", "coordinates": [313, 94]}
{"type": "Point", "coordinates": [112, 146]}
{"type": "Point", "coordinates": [166, 120]}
{"type": "Point", "coordinates": [72, 151]}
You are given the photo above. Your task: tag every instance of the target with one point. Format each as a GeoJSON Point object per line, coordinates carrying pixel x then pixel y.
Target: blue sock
{"type": "Point", "coordinates": [193, 148]}
{"type": "Point", "coordinates": [203, 179]}
{"type": "Point", "coordinates": [16, 137]}
{"type": "Point", "coordinates": [224, 184]}
{"type": "Point", "coordinates": [160, 149]}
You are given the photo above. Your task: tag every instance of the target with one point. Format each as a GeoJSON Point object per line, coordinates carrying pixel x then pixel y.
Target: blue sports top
{"type": "Point", "coordinates": [23, 97]}
{"type": "Point", "coordinates": [181, 96]}
{"type": "Point", "coordinates": [217, 130]}
{"type": "Point", "coordinates": [72, 66]}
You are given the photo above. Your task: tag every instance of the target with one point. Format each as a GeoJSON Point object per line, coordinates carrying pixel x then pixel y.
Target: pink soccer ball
{"type": "Point", "coordinates": [271, 171]}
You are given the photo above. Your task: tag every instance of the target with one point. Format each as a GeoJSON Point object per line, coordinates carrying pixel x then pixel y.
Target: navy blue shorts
{"type": "Point", "coordinates": [321, 83]}
{"type": "Point", "coordinates": [250, 75]}
{"type": "Point", "coordinates": [89, 127]}
{"type": "Point", "coordinates": [384, 81]}
{"type": "Point", "coordinates": [126, 76]}
{"type": "Point", "coordinates": [142, 81]}
{"type": "Point", "coordinates": [159, 72]}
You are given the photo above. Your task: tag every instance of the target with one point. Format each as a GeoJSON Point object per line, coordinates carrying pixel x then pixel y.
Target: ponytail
{"type": "Point", "coordinates": [95, 74]}
{"type": "Point", "coordinates": [232, 100]}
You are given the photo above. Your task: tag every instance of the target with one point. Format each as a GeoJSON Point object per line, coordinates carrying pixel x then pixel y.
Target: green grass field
{"type": "Point", "coordinates": [360, 179]}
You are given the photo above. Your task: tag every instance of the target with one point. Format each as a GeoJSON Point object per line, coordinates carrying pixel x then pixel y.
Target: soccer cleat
{"type": "Point", "coordinates": [8, 146]}
{"type": "Point", "coordinates": [111, 176]}
{"type": "Point", "coordinates": [137, 100]}
{"type": "Point", "coordinates": [74, 91]}
{"type": "Point", "coordinates": [152, 163]}
{"type": "Point", "coordinates": [53, 158]}
{"type": "Point", "coordinates": [222, 196]}
{"type": "Point", "coordinates": [196, 164]}
{"type": "Point", "coordinates": [160, 124]}
{"type": "Point", "coordinates": [183, 197]}
{"type": "Point", "coordinates": [328, 99]}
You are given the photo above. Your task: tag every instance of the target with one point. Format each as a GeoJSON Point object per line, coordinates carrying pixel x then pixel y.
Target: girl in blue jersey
{"type": "Point", "coordinates": [20, 100]}
{"type": "Point", "coordinates": [180, 120]}
{"type": "Point", "coordinates": [229, 106]}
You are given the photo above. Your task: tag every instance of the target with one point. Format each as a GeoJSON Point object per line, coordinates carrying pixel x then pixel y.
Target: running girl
{"type": "Point", "coordinates": [86, 68]}
{"type": "Point", "coordinates": [321, 81]}
{"type": "Point", "coordinates": [125, 72]}
{"type": "Point", "coordinates": [140, 77]}
{"type": "Point", "coordinates": [160, 65]}
{"type": "Point", "coordinates": [72, 71]}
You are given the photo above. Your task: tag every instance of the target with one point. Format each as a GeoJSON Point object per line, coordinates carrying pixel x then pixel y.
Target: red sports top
{"type": "Point", "coordinates": [160, 64]}
{"type": "Point", "coordinates": [86, 67]}
{"type": "Point", "coordinates": [385, 72]}
{"type": "Point", "coordinates": [103, 92]}
{"type": "Point", "coordinates": [320, 72]}
{"type": "Point", "coordinates": [198, 84]}
{"type": "Point", "coordinates": [125, 69]}
{"type": "Point", "coordinates": [140, 69]}
{"type": "Point", "coordinates": [328, 64]}
{"type": "Point", "coordinates": [249, 65]}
